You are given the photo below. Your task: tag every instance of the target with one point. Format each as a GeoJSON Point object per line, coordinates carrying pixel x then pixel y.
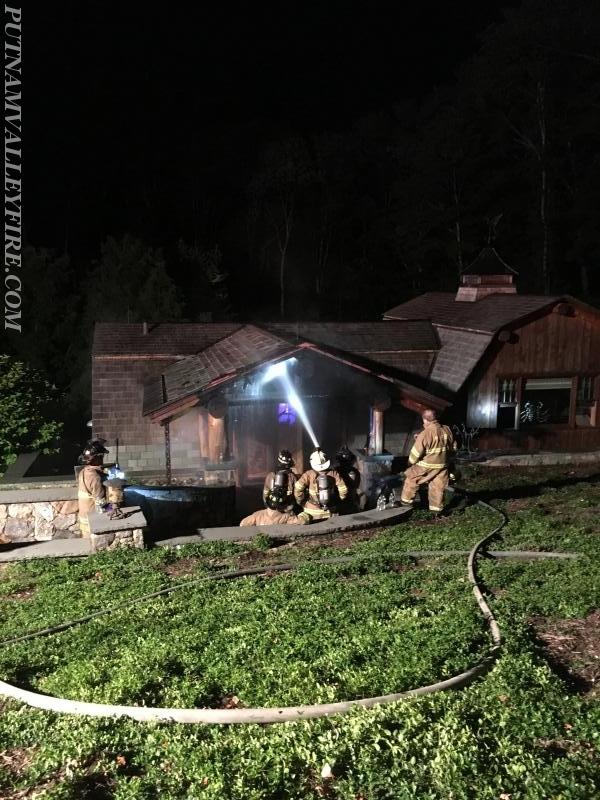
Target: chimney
{"type": "Point", "coordinates": [144, 329]}
{"type": "Point", "coordinates": [488, 274]}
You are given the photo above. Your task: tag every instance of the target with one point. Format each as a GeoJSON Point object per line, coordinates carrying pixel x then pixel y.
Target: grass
{"type": "Point", "coordinates": [378, 624]}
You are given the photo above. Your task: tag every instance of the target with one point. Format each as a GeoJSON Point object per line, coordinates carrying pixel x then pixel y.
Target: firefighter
{"type": "Point", "coordinates": [91, 493]}
{"type": "Point", "coordinates": [429, 462]}
{"type": "Point", "coordinates": [275, 513]}
{"type": "Point", "coordinates": [316, 489]}
{"type": "Point", "coordinates": [282, 475]}
{"type": "Point", "coordinates": [355, 499]}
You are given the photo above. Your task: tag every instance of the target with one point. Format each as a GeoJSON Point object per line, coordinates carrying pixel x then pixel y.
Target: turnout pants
{"type": "Point", "coordinates": [317, 513]}
{"type": "Point", "coordinates": [436, 479]}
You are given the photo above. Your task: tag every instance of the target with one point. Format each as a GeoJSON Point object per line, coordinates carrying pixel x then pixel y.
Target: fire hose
{"type": "Point", "coordinates": [275, 714]}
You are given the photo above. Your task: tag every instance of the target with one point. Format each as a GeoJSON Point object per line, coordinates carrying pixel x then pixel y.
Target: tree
{"type": "Point", "coordinates": [27, 405]}
{"type": "Point", "coordinates": [130, 283]}
{"type": "Point", "coordinates": [51, 313]}
{"type": "Point", "coordinates": [208, 290]}
{"type": "Point", "coordinates": [275, 188]}
{"type": "Point", "coordinates": [536, 79]}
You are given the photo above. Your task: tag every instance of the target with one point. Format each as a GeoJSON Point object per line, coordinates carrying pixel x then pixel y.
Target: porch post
{"type": "Point", "coordinates": [376, 432]}
{"type": "Point", "coordinates": [379, 405]}
{"type": "Point", "coordinates": [203, 433]}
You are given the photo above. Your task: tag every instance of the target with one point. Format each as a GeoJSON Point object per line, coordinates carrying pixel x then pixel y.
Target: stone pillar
{"type": "Point", "coordinates": [372, 469]}
{"type": "Point", "coordinates": [111, 534]}
{"type": "Point", "coordinates": [117, 539]}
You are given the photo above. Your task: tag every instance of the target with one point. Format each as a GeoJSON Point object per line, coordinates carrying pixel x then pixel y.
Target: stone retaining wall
{"type": "Point", "coordinates": [37, 515]}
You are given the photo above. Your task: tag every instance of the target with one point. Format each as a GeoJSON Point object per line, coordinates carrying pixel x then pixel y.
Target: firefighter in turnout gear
{"type": "Point", "coordinates": [429, 461]}
{"type": "Point", "coordinates": [282, 475]}
{"type": "Point", "coordinates": [355, 499]}
{"type": "Point", "coordinates": [275, 513]}
{"type": "Point", "coordinates": [316, 489]}
{"type": "Point", "coordinates": [91, 493]}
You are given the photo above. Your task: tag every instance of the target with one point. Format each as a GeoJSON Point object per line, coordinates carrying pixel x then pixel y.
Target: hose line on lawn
{"type": "Point", "coordinates": [262, 715]}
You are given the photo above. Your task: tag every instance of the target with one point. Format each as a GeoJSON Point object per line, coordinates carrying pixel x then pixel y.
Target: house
{"type": "Point", "coordinates": [204, 398]}
{"type": "Point", "coordinates": [198, 397]}
{"type": "Point", "coordinates": [524, 369]}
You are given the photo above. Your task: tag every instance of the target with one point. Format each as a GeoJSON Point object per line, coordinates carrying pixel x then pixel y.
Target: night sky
{"type": "Point", "coordinates": [131, 112]}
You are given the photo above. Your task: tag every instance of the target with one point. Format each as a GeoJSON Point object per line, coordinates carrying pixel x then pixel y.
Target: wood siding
{"type": "Point", "coordinates": [552, 345]}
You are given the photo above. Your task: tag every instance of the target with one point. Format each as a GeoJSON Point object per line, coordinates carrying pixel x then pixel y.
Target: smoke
{"type": "Point", "coordinates": [280, 371]}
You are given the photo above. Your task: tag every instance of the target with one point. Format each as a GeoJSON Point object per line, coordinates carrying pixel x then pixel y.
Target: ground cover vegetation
{"type": "Point", "coordinates": [380, 622]}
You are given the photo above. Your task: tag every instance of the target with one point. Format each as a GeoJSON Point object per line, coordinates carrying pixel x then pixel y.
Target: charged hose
{"type": "Point", "coordinates": [258, 715]}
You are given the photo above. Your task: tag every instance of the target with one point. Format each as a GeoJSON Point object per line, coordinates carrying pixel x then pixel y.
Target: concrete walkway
{"type": "Point", "coordinates": [73, 548]}
{"type": "Point", "coordinates": [55, 548]}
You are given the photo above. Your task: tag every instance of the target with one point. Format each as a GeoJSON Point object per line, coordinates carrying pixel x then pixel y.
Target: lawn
{"type": "Point", "coordinates": [381, 622]}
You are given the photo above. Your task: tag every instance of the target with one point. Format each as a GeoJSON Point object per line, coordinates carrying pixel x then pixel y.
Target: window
{"type": "Point", "coordinates": [586, 407]}
{"type": "Point", "coordinates": [286, 414]}
{"type": "Point", "coordinates": [508, 403]}
{"type": "Point", "coordinates": [546, 401]}
{"type": "Point", "coordinates": [531, 402]}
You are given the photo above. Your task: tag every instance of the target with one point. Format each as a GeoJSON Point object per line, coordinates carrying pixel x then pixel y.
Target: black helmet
{"type": "Point", "coordinates": [94, 448]}
{"type": "Point", "coordinates": [345, 456]}
{"type": "Point", "coordinates": [284, 459]}
{"type": "Point", "coordinates": [276, 498]}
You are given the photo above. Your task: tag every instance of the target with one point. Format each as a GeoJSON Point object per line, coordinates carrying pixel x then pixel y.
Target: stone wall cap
{"type": "Point", "coordinates": [100, 523]}
{"type": "Point", "coordinates": [38, 495]}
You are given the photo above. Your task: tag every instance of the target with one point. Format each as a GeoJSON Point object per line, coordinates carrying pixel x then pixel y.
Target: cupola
{"type": "Point", "coordinates": [488, 274]}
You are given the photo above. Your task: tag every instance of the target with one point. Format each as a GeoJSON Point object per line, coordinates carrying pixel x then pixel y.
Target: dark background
{"type": "Point", "coordinates": [299, 160]}
{"type": "Point", "coordinates": [133, 111]}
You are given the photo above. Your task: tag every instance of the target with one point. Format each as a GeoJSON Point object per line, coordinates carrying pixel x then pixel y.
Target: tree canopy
{"type": "Point", "coordinates": [28, 406]}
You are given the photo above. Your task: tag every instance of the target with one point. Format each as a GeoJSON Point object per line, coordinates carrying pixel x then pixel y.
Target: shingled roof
{"type": "Point", "coordinates": [460, 354]}
{"type": "Point", "coordinates": [250, 347]}
{"type": "Point", "coordinates": [466, 329]}
{"type": "Point", "coordinates": [487, 315]}
{"type": "Point", "coordinates": [362, 337]}
{"type": "Point", "coordinates": [245, 349]}
{"type": "Point", "coordinates": [167, 339]}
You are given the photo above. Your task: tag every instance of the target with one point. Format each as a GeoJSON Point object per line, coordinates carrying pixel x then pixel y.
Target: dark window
{"type": "Point", "coordinates": [586, 413]}
{"type": "Point", "coordinates": [545, 401]}
{"type": "Point", "coordinates": [506, 417]}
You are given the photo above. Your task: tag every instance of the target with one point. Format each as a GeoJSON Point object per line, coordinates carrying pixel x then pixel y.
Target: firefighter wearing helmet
{"type": "Point", "coordinates": [91, 493]}
{"type": "Point", "coordinates": [282, 476]}
{"type": "Point", "coordinates": [345, 465]}
{"type": "Point", "coordinates": [429, 463]}
{"type": "Point", "coordinates": [320, 487]}
{"type": "Point", "coordinates": [277, 511]}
